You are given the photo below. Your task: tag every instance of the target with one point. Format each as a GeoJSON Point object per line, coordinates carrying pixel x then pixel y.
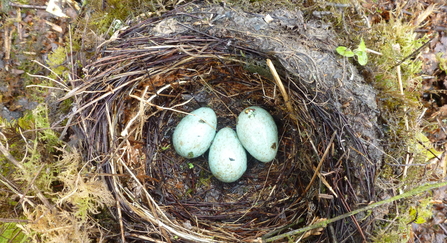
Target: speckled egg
{"type": "Point", "coordinates": [195, 132]}
{"type": "Point", "coordinates": [258, 133]}
{"type": "Point", "coordinates": [227, 157]}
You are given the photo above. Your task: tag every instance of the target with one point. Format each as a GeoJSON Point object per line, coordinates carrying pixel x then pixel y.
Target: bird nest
{"type": "Point", "coordinates": [141, 83]}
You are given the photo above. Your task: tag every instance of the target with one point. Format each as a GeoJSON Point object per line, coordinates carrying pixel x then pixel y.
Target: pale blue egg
{"type": "Point", "coordinates": [195, 132]}
{"type": "Point", "coordinates": [227, 157]}
{"type": "Point", "coordinates": [258, 133]}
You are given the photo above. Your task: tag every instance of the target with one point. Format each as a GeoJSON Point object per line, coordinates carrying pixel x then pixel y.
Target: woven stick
{"type": "Point", "coordinates": [281, 88]}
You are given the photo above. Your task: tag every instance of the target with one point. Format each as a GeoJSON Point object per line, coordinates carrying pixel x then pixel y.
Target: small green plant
{"type": "Point", "coordinates": [360, 52]}
{"type": "Point", "coordinates": [163, 148]}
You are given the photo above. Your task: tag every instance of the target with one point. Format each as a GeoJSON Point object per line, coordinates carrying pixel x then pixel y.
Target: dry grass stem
{"type": "Point", "coordinates": [325, 182]}
{"type": "Point", "coordinates": [281, 88]}
{"type": "Point", "coordinates": [408, 160]}
{"type": "Point", "coordinates": [320, 163]}
{"type": "Point", "coordinates": [10, 158]}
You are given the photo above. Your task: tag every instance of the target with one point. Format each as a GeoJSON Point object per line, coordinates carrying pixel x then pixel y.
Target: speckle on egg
{"type": "Point", "coordinates": [258, 133]}
{"type": "Point", "coordinates": [195, 132]}
{"type": "Point", "coordinates": [227, 158]}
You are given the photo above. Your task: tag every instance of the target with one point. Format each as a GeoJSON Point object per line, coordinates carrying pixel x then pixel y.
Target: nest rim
{"type": "Point", "coordinates": [106, 72]}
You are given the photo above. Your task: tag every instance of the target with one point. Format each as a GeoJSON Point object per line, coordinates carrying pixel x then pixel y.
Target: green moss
{"type": "Point", "coordinates": [39, 149]}
{"type": "Point", "coordinates": [56, 59]}
{"type": "Point", "coordinates": [40, 142]}
{"type": "Point", "coordinates": [396, 40]}
{"type": "Point", "coordinates": [11, 233]}
{"type": "Point", "coordinates": [398, 230]}
{"type": "Point", "coordinates": [105, 19]}
{"type": "Point", "coordinates": [47, 163]}
{"type": "Point", "coordinates": [46, 135]}
{"type": "Point", "coordinates": [26, 122]}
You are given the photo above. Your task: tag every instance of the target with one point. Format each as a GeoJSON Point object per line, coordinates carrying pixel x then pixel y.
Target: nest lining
{"type": "Point", "coordinates": [138, 89]}
{"type": "Point", "coordinates": [264, 197]}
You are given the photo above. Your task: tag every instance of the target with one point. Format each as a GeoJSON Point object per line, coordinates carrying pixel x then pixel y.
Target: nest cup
{"type": "Point", "coordinates": [139, 86]}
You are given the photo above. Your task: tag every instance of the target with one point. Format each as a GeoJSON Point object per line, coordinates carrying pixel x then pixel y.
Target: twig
{"type": "Point", "coordinates": [401, 89]}
{"type": "Point", "coordinates": [68, 124]}
{"type": "Point", "coordinates": [13, 188]}
{"type": "Point", "coordinates": [320, 163]}
{"type": "Point", "coordinates": [317, 169]}
{"type": "Point", "coordinates": [125, 132]}
{"type": "Point", "coordinates": [120, 218]}
{"type": "Point", "coordinates": [51, 70]}
{"type": "Point", "coordinates": [10, 157]}
{"type": "Point", "coordinates": [7, 45]}
{"type": "Point", "coordinates": [96, 100]}
{"type": "Point", "coordinates": [324, 223]}
{"type": "Point", "coordinates": [338, 5]}
{"type": "Point", "coordinates": [407, 127]}
{"type": "Point", "coordinates": [146, 238]}
{"type": "Point", "coordinates": [27, 6]}
{"type": "Point", "coordinates": [169, 109]}
{"type": "Point", "coordinates": [415, 52]}
{"type": "Point", "coordinates": [43, 86]}
{"type": "Point", "coordinates": [325, 182]}
{"type": "Point", "coordinates": [347, 208]}
{"type": "Point", "coordinates": [14, 220]}
{"type": "Point", "coordinates": [281, 88]}
{"type": "Point", "coordinates": [373, 52]}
